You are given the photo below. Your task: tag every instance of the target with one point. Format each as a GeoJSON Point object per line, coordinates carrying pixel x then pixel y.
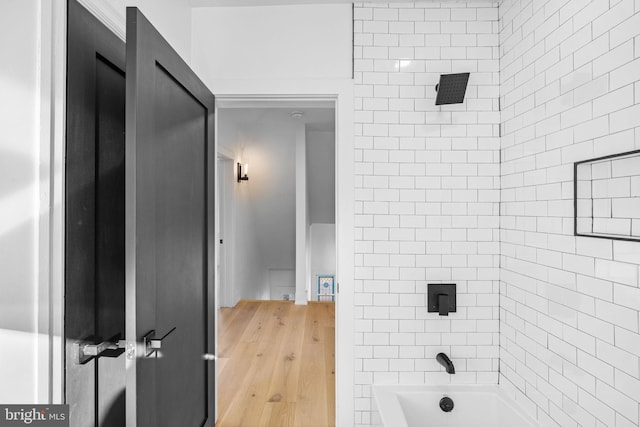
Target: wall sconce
{"type": "Point", "coordinates": [242, 172]}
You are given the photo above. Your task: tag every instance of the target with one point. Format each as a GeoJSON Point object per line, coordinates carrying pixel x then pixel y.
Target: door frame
{"type": "Point", "coordinates": [50, 241]}
{"type": "Point", "coordinates": [49, 359]}
{"type": "Point", "coordinates": [340, 94]}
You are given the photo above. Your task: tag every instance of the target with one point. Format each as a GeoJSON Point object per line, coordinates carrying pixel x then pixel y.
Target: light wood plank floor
{"type": "Point", "coordinates": [276, 365]}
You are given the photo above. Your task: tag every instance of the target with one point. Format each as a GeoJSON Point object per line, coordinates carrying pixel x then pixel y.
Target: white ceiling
{"type": "Point", "coordinates": [320, 119]}
{"type": "Point", "coordinates": [211, 3]}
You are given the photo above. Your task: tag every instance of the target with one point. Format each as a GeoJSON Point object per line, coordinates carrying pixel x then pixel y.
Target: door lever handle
{"type": "Point", "coordinates": [99, 349]}
{"type": "Point", "coordinates": [153, 344]}
{"type": "Point", "coordinates": [87, 349]}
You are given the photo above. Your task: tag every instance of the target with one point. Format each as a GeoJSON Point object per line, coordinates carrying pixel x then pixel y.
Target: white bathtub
{"type": "Point", "coordinates": [474, 406]}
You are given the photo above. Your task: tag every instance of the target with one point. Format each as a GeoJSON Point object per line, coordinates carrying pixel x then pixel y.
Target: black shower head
{"type": "Point", "coordinates": [452, 88]}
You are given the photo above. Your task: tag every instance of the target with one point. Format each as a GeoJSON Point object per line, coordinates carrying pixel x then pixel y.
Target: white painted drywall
{"type": "Point", "coordinates": [272, 42]}
{"type": "Point", "coordinates": [322, 238]}
{"type": "Point", "coordinates": [172, 18]}
{"type": "Point", "coordinates": [321, 172]}
{"type": "Point", "coordinates": [301, 215]}
{"type": "Point", "coordinates": [250, 273]}
{"type": "Point", "coordinates": [248, 277]}
{"type": "Point", "coordinates": [320, 175]}
{"type": "Point", "coordinates": [266, 139]}
{"type": "Point", "coordinates": [282, 282]}
{"type": "Point", "coordinates": [19, 156]}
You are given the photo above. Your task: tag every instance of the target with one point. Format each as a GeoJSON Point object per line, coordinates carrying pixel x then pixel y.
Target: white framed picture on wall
{"type": "Point", "coordinates": [326, 287]}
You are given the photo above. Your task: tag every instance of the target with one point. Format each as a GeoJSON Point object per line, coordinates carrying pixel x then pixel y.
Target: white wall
{"type": "Point", "coordinates": [31, 113]}
{"type": "Point", "coordinates": [302, 219]}
{"type": "Point", "coordinates": [427, 194]}
{"type": "Point", "coordinates": [249, 276]}
{"type": "Point", "coordinates": [19, 157]}
{"type": "Point", "coordinates": [244, 275]}
{"type": "Point", "coordinates": [323, 254]}
{"type": "Point", "coordinates": [273, 42]}
{"type": "Point", "coordinates": [320, 156]}
{"type": "Point", "coordinates": [570, 91]}
{"type": "Point", "coordinates": [265, 139]}
{"type": "Point", "coordinates": [172, 18]}
{"type": "Point", "coordinates": [250, 272]}
{"type": "Point", "coordinates": [282, 282]}
{"type": "Point", "coordinates": [268, 140]}
{"type": "Point", "coordinates": [321, 174]}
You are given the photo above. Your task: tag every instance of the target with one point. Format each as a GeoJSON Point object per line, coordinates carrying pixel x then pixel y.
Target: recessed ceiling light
{"type": "Point", "coordinates": [297, 114]}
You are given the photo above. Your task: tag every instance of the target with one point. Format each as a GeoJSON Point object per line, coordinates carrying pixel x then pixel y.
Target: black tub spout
{"type": "Point", "coordinates": [444, 360]}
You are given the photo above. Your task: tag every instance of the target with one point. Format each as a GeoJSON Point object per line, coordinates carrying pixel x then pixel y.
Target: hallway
{"type": "Point", "coordinates": [276, 365]}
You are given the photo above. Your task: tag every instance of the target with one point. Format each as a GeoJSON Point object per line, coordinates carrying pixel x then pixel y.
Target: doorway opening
{"type": "Point", "coordinates": [277, 258]}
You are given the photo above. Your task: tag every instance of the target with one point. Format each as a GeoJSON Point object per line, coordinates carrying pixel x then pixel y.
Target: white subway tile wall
{"type": "Point", "coordinates": [569, 307]}
{"type": "Point", "coordinates": [427, 194]}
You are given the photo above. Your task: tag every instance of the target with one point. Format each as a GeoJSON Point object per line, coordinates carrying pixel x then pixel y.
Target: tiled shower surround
{"type": "Point", "coordinates": [481, 194]}
{"type": "Point", "coordinates": [570, 91]}
{"type": "Point", "coordinates": [427, 194]}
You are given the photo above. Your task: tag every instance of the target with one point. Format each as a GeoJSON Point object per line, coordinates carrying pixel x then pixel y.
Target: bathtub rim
{"type": "Point", "coordinates": [387, 395]}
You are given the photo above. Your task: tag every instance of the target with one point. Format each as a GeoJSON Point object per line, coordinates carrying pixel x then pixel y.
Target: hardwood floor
{"type": "Point", "coordinates": [276, 364]}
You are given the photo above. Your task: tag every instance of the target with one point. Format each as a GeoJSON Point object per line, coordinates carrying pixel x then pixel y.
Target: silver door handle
{"type": "Point", "coordinates": [98, 349]}
{"type": "Point", "coordinates": [87, 350]}
{"type": "Point", "coordinates": [153, 344]}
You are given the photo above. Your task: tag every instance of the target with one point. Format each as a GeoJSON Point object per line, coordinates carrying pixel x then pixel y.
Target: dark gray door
{"type": "Point", "coordinates": [169, 235]}
{"type": "Point", "coordinates": [94, 223]}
